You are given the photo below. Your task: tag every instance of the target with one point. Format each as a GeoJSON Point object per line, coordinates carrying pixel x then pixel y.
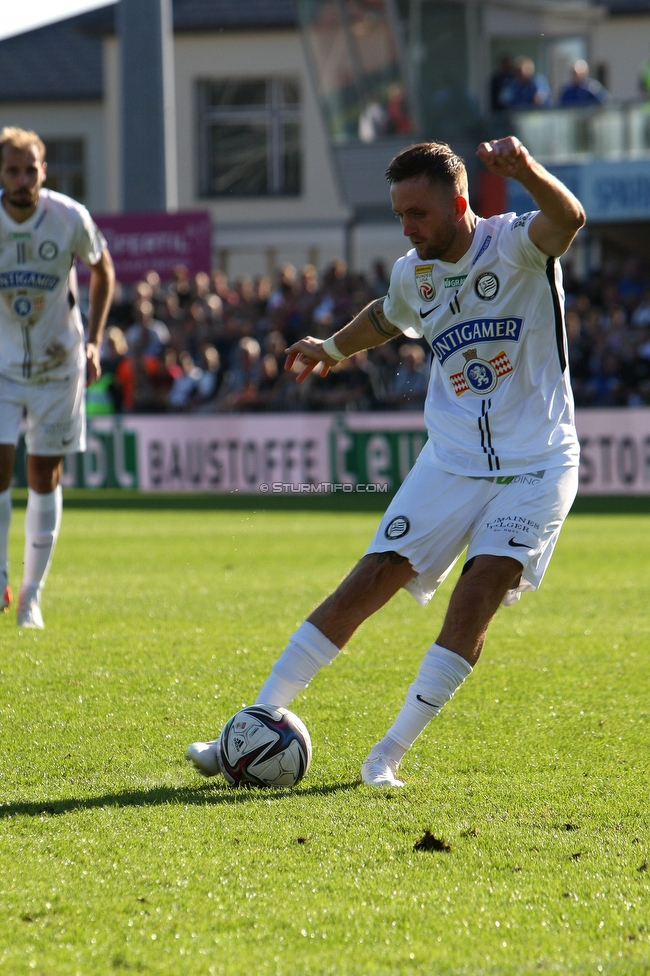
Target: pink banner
{"type": "Point", "coordinates": [141, 242]}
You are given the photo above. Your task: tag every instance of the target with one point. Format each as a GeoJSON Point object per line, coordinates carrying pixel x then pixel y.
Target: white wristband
{"type": "Point", "coordinates": [332, 350]}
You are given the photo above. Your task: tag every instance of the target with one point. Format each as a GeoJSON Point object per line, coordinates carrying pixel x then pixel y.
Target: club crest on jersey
{"type": "Point", "coordinates": [480, 375]}
{"type": "Point", "coordinates": [22, 306]}
{"type": "Point", "coordinates": [486, 286]}
{"type": "Point", "coordinates": [48, 250]}
{"type": "Point", "coordinates": [424, 282]}
{"type": "Point", "coordinates": [27, 307]}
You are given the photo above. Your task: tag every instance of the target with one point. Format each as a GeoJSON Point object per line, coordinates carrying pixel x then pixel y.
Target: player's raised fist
{"type": "Point", "coordinates": [507, 157]}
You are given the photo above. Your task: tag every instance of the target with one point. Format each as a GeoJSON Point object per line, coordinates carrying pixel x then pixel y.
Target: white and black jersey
{"type": "Point", "coordinates": [41, 333]}
{"type": "Point", "coordinates": [499, 396]}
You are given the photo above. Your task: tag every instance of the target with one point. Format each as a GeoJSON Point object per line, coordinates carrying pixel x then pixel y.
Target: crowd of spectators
{"type": "Point", "coordinates": [204, 344]}
{"type": "Point", "coordinates": [608, 328]}
{"type": "Point", "coordinates": [516, 84]}
{"type": "Point", "coordinates": [208, 345]}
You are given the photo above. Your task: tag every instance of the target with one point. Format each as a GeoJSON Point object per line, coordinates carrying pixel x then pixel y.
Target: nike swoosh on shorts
{"type": "Point", "coordinates": [518, 545]}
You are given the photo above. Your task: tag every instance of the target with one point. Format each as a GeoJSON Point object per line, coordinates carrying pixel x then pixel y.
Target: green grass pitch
{"type": "Point", "coordinates": [116, 858]}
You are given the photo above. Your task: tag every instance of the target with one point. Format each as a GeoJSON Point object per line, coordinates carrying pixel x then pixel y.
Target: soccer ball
{"type": "Point", "coordinates": [264, 745]}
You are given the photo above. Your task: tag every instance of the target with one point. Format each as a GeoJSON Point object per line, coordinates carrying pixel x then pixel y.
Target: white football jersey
{"type": "Point", "coordinates": [499, 397]}
{"type": "Point", "coordinates": [41, 333]}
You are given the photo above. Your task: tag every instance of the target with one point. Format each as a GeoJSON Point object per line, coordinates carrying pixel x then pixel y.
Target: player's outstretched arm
{"type": "Point", "coordinates": [561, 214]}
{"type": "Point", "coordinates": [102, 280]}
{"type": "Point", "coordinates": [367, 329]}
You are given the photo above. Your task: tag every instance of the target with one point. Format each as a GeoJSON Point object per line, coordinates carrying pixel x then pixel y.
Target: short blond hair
{"type": "Point", "coordinates": [11, 135]}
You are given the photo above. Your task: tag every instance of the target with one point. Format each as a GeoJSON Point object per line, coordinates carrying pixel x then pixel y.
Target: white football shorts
{"type": "Point", "coordinates": [55, 413]}
{"type": "Point", "coordinates": [435, 515]}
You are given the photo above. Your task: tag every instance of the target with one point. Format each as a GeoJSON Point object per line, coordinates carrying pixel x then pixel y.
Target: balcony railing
{"type": "Point", "coordinates": [620, 131]}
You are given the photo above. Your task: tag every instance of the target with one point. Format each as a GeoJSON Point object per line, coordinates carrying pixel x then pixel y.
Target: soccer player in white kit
{"type": "Point", "coordinates": [44, 365]}
{"type": "Point", "coordinates": [499, 471]}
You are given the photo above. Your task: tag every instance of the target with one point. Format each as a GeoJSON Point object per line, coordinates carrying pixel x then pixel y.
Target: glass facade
{"type": "Point", "coordinates": [355, 54]}
{"type": "Point", "coordinates": [392, 68]}
{"type": "Point", "coordinates": [448, 109]}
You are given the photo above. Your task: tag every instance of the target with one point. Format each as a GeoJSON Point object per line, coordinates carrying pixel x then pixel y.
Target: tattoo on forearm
{"type": "Point", "coordinates": [392, 557]}
{"type": "Point", "coordinates": [379, 321]}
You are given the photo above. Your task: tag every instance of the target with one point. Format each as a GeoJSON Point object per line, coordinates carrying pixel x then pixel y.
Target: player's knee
{"type": "Point", "coordinates": [376, 577]}
{"type": "Point", "coordinates": [493, 571]}
{"type": "Point", "coordinates": [385, 569]}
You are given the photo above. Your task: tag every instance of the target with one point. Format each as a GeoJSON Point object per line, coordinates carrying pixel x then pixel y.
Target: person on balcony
{"type": "Point", "coordinates": [526, 89]}
{"type": "Point", "coordinates": [501, 81]}
{"type": "Point", "coordinates": [582, 90]}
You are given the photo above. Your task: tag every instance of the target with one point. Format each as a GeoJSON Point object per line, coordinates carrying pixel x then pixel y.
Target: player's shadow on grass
{"type": "Point", "coordinates": [206, 795]}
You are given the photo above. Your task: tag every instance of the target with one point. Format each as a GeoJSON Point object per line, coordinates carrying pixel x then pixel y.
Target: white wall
{"type": "Point", "coordinates": [252, 250]}
{"type": "Point", "coordinates": [245, 251]}
{"type": "Point", "coordinates": [67, 120]}
{"type": "Point", "coordinates": [510, 18]}
{"type": "Point", "coordinates": [623, 44]}
{"type": "Point", "coordinates": [250, 236]}
{"type": "Point", "coordinates": [374, 240]}
{"type": "Point", "coordinates": [252, 54]}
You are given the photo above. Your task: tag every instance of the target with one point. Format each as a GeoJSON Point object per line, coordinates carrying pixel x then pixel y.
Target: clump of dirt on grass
{"type": "Point", "coordinates": [428, 842]}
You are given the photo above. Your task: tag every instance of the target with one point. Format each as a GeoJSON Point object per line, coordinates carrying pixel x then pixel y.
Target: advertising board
{"type": "Point", "coordinates": [272, 453]}
{"type": "Point", "coordinates": [160, 241]}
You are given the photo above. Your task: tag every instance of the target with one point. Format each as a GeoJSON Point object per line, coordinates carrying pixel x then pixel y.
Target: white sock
{"type": "Point", "coordinates": [42, 523]}
{"type": "Point", "coordinates": [306, 653]}
{"type": "Point", "coordinates": [5, 522]}
{"type": "Point", "coordinates": [441, 673]}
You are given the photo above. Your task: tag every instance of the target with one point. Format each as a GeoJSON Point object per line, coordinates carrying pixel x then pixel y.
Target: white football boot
{"type": "Point", "coordinates": [205, 757]}
{"type": "Point", "coordinates": [379, 771]}
{"type": "Point", "coordinates": [29, 613]}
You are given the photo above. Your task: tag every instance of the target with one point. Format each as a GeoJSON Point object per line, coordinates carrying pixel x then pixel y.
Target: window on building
{"type": "Point", "coordinates": [250, 137]}
{"type": "Point", "coordinates": [65, 167]}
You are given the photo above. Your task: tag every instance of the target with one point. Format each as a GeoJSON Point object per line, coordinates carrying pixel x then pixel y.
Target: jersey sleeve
{"type": "Point", "coordinates": [397, 309]}
{"type": "Point", "coordinates": [89, 241]}
{"type": "Point", "coordinates": [515, 245]}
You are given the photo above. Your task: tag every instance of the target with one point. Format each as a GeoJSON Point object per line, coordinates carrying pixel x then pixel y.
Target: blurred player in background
{"type": "Point", "coordinates": [499, 472]}
{"type": "Point", "coordinates": [44, 366]}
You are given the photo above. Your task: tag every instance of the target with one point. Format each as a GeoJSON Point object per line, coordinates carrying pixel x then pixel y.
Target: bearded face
{"type": "Point", "coordinates": [430, 216]}
{"type": "Point", "coordinates": [22, 174]}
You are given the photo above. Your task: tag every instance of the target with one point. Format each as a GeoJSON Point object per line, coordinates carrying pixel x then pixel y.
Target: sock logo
{"type": "Point", "coordinates": [424, 701]}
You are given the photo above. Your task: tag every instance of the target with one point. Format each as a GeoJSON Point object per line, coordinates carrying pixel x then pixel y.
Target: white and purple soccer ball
{"type": "Point", "coordinates": [264, 745]}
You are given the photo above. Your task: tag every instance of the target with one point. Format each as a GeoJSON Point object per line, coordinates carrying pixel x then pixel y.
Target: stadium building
{"type": "Point", "coordinates": [287, 113]}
